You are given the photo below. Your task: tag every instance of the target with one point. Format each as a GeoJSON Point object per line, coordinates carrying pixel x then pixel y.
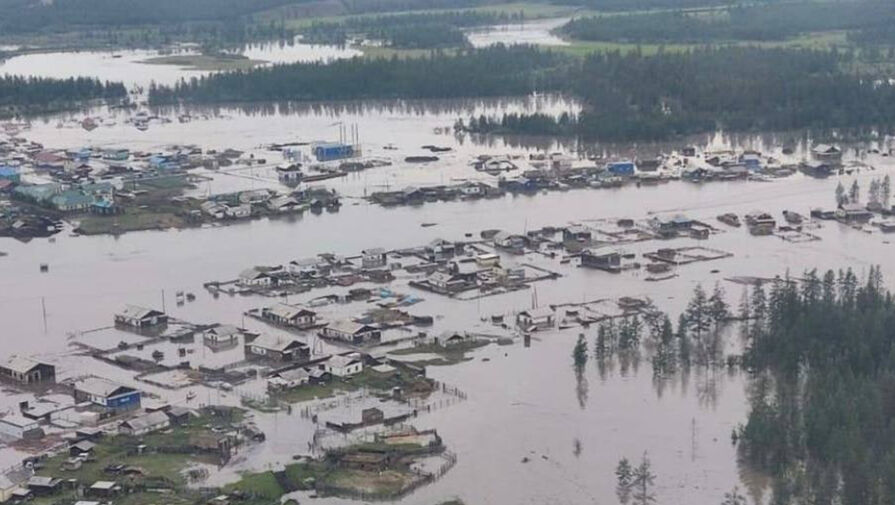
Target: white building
{"type": "Point", "coordinates": [254, 277]}
{"type": "Point", "coordinates": [344, 365]}
{"type": "Point", "coordinates": [19, 427]}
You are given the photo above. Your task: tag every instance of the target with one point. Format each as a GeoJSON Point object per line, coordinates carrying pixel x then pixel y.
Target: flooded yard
{"type": "Point", "coordinates": [529, 429]}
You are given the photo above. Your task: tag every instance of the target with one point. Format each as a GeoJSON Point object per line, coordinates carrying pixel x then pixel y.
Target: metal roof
{"type": "Point", "coordinates": [20, 364]}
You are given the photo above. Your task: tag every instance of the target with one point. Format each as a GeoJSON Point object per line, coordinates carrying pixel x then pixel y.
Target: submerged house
{"type": "Point", "coordinates": [826, 152]}
{"type": "Point", "coordinates": [140, 317]}
{"type": "Point", "coordinates": [373, 258]}
{"type": "Point", "coordinates": [288, 379]}
{"type": "Point", "coordinates": [255, 277]}
{"type": "Point", "coordinates": [607, 261]}
{"type": "Point", "coordinates": [350, 331]}
{"type": "Point", "coordinates": [276, 348]}
{"type": "Point", "coordinates": [577, 233]}
{"type": "Point", "coordinates": [344, 365]}
{"type": "Point", "coordinates": [623, 168]}
{"type": "Point", "coordinates": [221, 335]}
{"type": "Point", "coordinates": [27, 371]}
{"type": "Point", "coordinates": [107, 394]}
{"type": "Point", "coordinates": [511, 242]}
{"type": "Point", "coordinates": [290, 315]}
{"type": "Point", "coordinates": [853, 213]}
{"type": "Point", "coordinates": [536, 319]}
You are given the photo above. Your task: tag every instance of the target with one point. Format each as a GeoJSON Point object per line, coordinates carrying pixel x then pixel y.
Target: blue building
{"type": "Point", "coordinates": [329, 151]}
{"type": "Point", "coordinates": [621, 168]}
{"type": "Point", "coordinates": [107, 394]}
{"type": "Point", "coordinates": [11, 174]}
{"type": "Point", "coordinates": [751, 161]}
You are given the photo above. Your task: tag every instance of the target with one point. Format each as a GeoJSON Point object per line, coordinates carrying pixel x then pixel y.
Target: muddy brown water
{"type": "Point", "coordinates": [523, 402]}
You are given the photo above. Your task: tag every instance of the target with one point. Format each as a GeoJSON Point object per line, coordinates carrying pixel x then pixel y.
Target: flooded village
{"type": "Point", "coordinates": [290, 359]}
{"type": "Point", "coordinates": [358, 302]}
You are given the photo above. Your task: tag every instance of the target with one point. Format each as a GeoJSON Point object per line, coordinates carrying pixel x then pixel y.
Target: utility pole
{"type": "Point", "coordinates": [43, 308]}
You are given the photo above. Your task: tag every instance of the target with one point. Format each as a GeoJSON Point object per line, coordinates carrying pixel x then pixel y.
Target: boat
{"type": "Point", "coordinates": [792, 217]}
{"type": "Point", "coordinates": [142, 126]}
{"type": "Point", "coordinates": [730, 219]}
{"type": "Point", "coordinates": [190, 395]}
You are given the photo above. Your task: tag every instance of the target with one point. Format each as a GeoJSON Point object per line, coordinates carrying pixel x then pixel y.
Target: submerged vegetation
{"type": "Point", "coordinates": [490, 72]}
{"type": "Point", "coordinates": [632, 96]}
{"type": "Point", "coordinates": [407, 31]}
{"type": "Point", "coordinates": [30, 95]}
{"type": "Point", "coordinates": [821, 351]}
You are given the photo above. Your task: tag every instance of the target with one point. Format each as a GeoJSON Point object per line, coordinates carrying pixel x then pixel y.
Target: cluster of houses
{"type": "Point", "coordinates": [319, 372]}
{"type": "Point", "coordinates": [250, 203]}
{"type": "Point", "coordinates": [559, 172]}
{"type": "Point", "coordinates": [22, 483]}
{"type": "Point", "coordinates": [326, 269]}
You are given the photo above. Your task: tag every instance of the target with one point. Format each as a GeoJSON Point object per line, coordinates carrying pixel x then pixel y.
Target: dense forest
{"type": "Point", "coordinates": [631, 96]}
{"type": "Point", "coordinates": [30, 16]}
{"type": "Point", "coordinates": [24, 16]}
{"type": "Point", "coordinates": [494, 71]}
{"type": "Point", "coordinates": [636, 5]}
{"type": "Point", "coordinates": [822, 354]}
{"type": "Point", "coordinates": [624, 96]}
{"type": "Point", "coordinates": [407, 31]}
{"type": "Point", "coordinates": [32, 95]}
{"type": "Point", "coordinates": [749, 23]}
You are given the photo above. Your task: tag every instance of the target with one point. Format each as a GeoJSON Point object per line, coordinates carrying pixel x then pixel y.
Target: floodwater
{"type": "Point", "coordinates": [523, 402]}
{"type": "Point", "coordinates": [536, 32]}
{"type": "Point", "coordinates": [128, 67]}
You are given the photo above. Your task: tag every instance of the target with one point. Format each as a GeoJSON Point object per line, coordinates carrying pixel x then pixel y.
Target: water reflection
{"type": "Point", "coordinates": [581, 387]}
{"type": "Point", "coordinates": [554, 104]}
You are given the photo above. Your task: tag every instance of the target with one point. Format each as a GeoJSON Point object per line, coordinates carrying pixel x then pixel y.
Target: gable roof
{"type": "Point", "coordinates": [538, 313]}
{"type": "Point", "coordinates": [294, 375]}
{"type": "Point", "coordinates": [224, 330]}
{"type": "Point", "coordinates": [276, 343]}
{"type": "Point", "coordinates": [137, 312]}
{"type": "Point", "coordinates": [286, 311]}
{"type": "Point", "coordinates": [97, 386]}
{"type": "Point", "coordinates": [252, 274]}
{"type": "Point", "coordinates": [146, 421]}
{"type": "Point", "coordinates": [341, 361]}
{"type": "Point", "coordinates": [349, 327]}
{"type": "Point", "coordinates": [20, 364]}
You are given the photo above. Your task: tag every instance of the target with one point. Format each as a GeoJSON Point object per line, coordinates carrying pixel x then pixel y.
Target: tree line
{"type": "Point", "coordinates": [22, 95]}
{"type": "Point", "coordinates": [427, 30]}
{"type": "Point", "coordinates": [821, 353]}
{"type": "Point", "coordinates": [494, 71]}
{"type": "Point", "coordinates": [634, 96]}
{"type": "Point", "coordinates": [26, 16]}
{"type": "Point", "coordinates": [624, 95]}
{"type": "Point", "coordinates": [768, 22]}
